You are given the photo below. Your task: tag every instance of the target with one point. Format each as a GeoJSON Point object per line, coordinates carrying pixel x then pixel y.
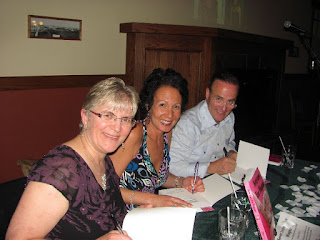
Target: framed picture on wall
{"type": "Point", "coordinates": [54, 28]}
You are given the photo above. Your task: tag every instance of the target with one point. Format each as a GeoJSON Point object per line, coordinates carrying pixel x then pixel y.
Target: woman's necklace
{"type": "Point", "coordinates": [103, 177]}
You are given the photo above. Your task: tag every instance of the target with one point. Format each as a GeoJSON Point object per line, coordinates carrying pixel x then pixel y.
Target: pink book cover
{"type": "Point", "coordinates": [261, 205]}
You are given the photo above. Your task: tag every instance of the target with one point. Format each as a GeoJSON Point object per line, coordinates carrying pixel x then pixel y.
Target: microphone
{"type": "Point", "coordinates": [290, 26]}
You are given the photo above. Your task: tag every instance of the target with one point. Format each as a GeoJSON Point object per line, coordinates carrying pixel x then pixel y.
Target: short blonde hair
{"type": "Point", "coordinates": [115, 92]}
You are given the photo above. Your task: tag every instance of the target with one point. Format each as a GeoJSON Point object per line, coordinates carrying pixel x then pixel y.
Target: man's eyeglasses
{"type": "Point", "coordinates": [220, 101]}
{"type": "Point", "coordinates": [109, 117]}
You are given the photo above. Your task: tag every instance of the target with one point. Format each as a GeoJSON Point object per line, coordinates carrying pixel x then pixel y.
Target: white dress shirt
{"type": "Point", "coordinates": [197, 137]}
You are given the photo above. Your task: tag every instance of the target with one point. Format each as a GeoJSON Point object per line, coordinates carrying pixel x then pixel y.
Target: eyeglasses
{"type": "Point", "coordinates": [109, 117]}
{"type": "Point", "coordinates": [219, 100]}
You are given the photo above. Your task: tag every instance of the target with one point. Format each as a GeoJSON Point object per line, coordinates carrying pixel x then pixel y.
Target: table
{"type": "Point", "coordinates": [206, 223]}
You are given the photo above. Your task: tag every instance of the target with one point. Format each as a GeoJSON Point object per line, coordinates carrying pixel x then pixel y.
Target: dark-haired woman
{"type": "Point", "coordinates": [144, 165]}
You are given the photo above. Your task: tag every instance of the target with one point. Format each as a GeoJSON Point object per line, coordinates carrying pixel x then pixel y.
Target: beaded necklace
{"type": "Point", "coordinates": [103, 177]}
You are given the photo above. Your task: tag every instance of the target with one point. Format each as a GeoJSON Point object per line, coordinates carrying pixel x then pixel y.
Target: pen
{"type": "Point", "coordinates": [225, 152]}
{"type": "Point", "coordinates": [230, 178]}
{"type": "Point", "coordinates": [196, 168]}
{"type": "Point", "coordinates": [116, 223]}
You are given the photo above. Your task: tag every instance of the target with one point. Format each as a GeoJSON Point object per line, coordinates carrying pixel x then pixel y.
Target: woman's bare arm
{"type": "Point", "coordinates": [40, 208]}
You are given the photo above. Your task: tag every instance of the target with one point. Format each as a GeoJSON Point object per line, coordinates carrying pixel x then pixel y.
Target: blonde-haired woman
{"type": "Point", "coordinates": [73, 191]}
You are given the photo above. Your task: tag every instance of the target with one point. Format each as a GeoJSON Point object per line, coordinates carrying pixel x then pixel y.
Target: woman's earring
{"type": "Point", "coordinates": [148, 116]}
{"type": "Point", "coordinates": [122, 145]}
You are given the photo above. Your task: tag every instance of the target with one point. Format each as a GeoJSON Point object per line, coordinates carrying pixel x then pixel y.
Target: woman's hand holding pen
{"type": "Point", "coordinates": [188, 183]}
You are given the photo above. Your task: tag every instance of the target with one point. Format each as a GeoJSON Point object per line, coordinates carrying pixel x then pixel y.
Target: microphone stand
{"type": "Point", "coordinates": [306, 44]}
{"type": "Point", "coordinates": [313, 55]}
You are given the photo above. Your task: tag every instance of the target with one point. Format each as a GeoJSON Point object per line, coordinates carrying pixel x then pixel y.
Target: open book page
{"type": "Point", "coordinates": [250, 156]}
{"type": "Point", "coordinates": [260, 204]}
{"type": "Point", "coordinates": [292, 228]}
{"type": "Point", "coordinates": [216, 188]}
{"type": "Point", "coordinates": [238, 175]}
{"type": "Point", "coordinates": [160, 223]}
{"type": "Point", "coordinates": [195, 199]}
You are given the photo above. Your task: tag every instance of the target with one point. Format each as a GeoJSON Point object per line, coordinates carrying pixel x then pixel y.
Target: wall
{"type": "Point", "coordinates": [34, 121]}
{"type": "Point", "coordinates": [102, 49]}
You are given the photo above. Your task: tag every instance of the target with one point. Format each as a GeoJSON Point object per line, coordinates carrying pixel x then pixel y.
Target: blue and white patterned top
{"type": "Point", "coordinates": [140, 175]}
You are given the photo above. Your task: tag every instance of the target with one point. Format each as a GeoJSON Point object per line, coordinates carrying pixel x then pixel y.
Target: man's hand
{"type": "Point", "coordinates": [222, 166]}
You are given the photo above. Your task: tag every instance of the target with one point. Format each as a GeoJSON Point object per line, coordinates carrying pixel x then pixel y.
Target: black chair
{"type": "Point", "coordinates": [10, 195]}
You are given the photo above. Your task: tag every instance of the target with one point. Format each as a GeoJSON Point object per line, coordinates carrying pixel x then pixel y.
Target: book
{"type": "Point", "coordinates": [198, 202]}
{"type": "Point", "coordinates": [260, 204]}
{"type": "Point", "coordinates": [290, 227]}
{"type": "Point", "coordinates": [250, 156]}
{"type": "Point", "coordinates": [172, 222]}
{"type": "Point", "coordinates": [216, 188]}
{"type": "Point", "coordinates": [275, 160]}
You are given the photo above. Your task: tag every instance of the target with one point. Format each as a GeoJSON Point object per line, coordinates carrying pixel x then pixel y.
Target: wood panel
{"type": "Point", "coordinates": [179, 61]}
{"type": "Point", "coordinates": [189, 55]}
{"type": "Point", "coordinates": [47, 82]}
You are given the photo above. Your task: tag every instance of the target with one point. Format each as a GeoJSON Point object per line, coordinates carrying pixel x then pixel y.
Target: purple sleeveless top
{"type": "Point", "coordinates": [88, 216]}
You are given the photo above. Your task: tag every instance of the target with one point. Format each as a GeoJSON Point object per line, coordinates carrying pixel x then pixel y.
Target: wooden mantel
{"type": "Point", "coordinates": [135, 27]}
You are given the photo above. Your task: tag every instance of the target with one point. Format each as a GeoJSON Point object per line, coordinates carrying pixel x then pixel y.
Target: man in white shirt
{"type": "Point", "coordinates": [205, 133]}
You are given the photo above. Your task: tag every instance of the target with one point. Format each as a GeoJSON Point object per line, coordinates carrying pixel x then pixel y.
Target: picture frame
{"type": "Point", "coordinates": [54, 28]}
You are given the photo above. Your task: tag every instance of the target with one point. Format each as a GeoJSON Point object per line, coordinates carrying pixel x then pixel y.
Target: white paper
{"type": "Point", "coordinates": [195, 199]}
{"type": "Point", "coordinates": [290, 227]}
{"type": "Point", "coordinates": [216, 188]}
{"type": "Point", "coordinates": [160, 223]}
{"type": "Point", "coordinates": [250, 156]}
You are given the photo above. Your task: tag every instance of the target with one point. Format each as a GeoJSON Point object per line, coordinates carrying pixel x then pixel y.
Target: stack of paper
{"type": "Point", "coordinates": [160, 223]}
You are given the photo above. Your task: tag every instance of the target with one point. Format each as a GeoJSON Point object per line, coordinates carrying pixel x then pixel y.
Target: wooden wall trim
{"type": "Point", "coordinates": [47, 82]}
{"type": "Point", "coordinates": [135, 27]}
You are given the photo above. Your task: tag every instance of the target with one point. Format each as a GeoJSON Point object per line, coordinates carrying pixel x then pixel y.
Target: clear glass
{"type": "Point", "coordinates": [289, 156]}
{"type": "Point", "coordinates": [236, 228]}
{"type": "Point", "coordinates": [241, 202]}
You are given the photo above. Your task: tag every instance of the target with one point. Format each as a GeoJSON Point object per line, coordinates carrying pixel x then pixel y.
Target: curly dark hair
{"type": "Point", "coordinates": [158, 78]}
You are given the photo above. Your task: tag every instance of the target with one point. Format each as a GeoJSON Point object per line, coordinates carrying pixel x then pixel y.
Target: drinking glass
{"type": "Point", "coordinates": [241, 202]}
{"type": "Point", "coordinates": [235, 229]}
{"type": "Point", "coordinates": [289, 156]}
